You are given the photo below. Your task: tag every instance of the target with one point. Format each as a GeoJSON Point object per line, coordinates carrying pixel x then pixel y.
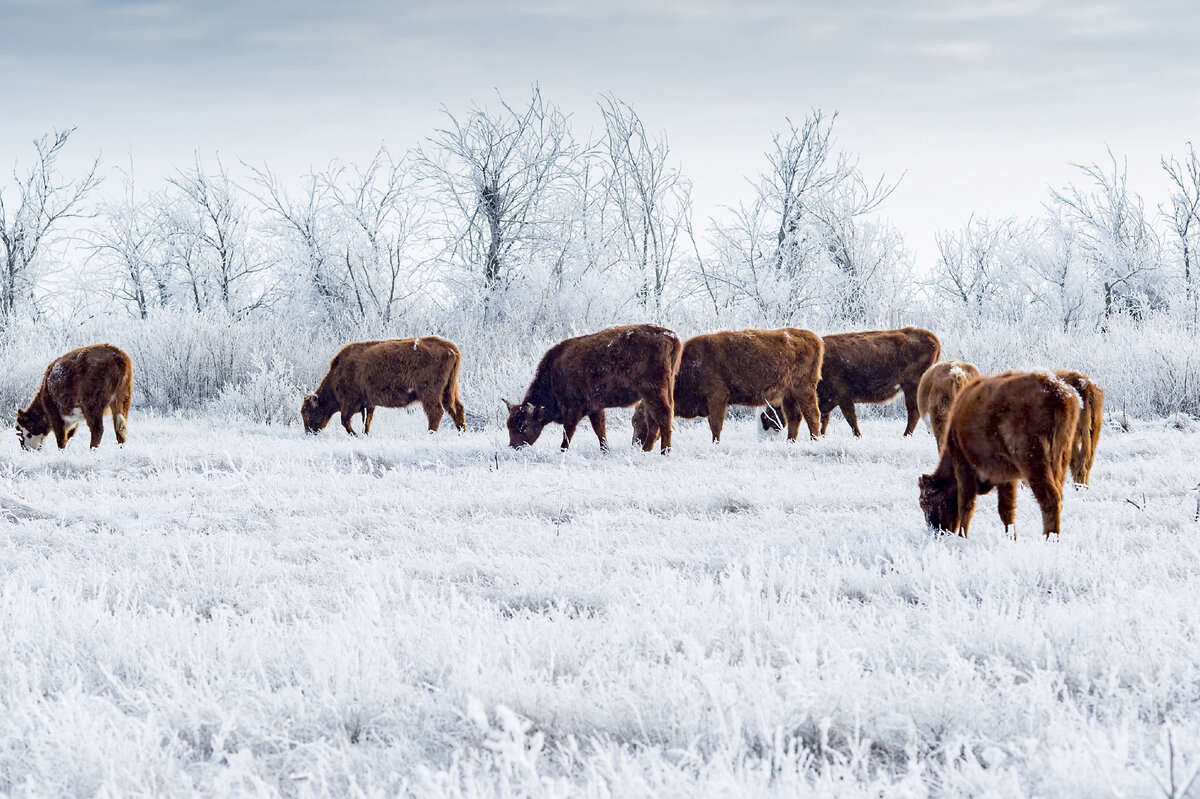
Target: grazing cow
{"type": "Point", "coordinates": [1087, 436]}
{"type": "Point", "coordinates": [80, 386]}
{"type": "Point", "coordinates": [747, 367]}
{"type": "Point", "coordinates": [392, 374]}
{"type": "Point", "coordinates": [613, 368]}
{"type": "Point", "coordinates": [870, 366]}
{"type": "Point", "coordinates": [940, 384]}
{"type": "Point", "coordinates": [1014, 426]}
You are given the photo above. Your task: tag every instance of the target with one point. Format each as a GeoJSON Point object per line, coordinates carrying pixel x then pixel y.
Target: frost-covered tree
{"type": "Point", "coordinates": [1183, 216]}
{"type": "Point", "coordinates": [1117, 242]}
{"type": "Point", "coordinates": [210, 244]}
{"type": "Point", "coordinates": [304, 223]}
{"type": "Point", "coordinates": [32, 212]}
{"type": "Point", "coordinates": [650, 197]}
{"type": "Point", "coordinates": [127, 240]}
{"type": "Point", "coordinates": [382, 248]}
{"type": "Point", "coordinates": [977, 264]}
{"type": "Point", "coordinates": [496, 178]}
{"type": "Point", "coordinates": [804, 242]}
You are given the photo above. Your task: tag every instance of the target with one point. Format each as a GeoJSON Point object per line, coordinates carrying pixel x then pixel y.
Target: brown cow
{"type": "Point", "coordinates": [613, 368]}
{"type": "Point", "coordinates": [392, 373]}
{"type": "Point", "coordinates": [80, 386]}
{"type": "Point", "coordinates": [747, 367]}
{"type": "Point", "coordinates": [1087, 436]}
{"type": "Point", "coordinates": [870, 366]}
{"type": "Point", "coordinates": [940, 384]}
{"type": "Point", "coordinates": [1014, 426]}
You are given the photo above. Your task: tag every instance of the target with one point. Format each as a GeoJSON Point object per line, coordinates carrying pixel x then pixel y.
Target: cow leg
{"type": "Point", "coordinates": [95, 423]}
{"type": "Point", "coordinates": [914, 414]}
{"type": "Point", "coordinates": [368, 413]}
{"type": "Point", "coordinates": [119, 423]}
{"type": "Point", "coordinates": [347, 416]}
{"type": "Point", "coordinates": [968, 488]}
{"type": "Point", "coordinates": [659, 410]}
{"type": "Point", "coordinates": [597, 420]}
{"type": "Point", "coordinates": [807, 403]}
{"type": "Point", "coordinates": [1007, 505]}
{"type": "Point", "coordinates": [847, 407]}
{"type": "Point", "coordinates": [1049, 497]}
{"type": "Point", "coordinates": [793, 412]}
{"type": "Point", "coordinates": [433, 412]}
{"type": "Point", "coordinates": [61, 433]}
{"type": "Point", "coordinates": [716, 416]}
{"type": "Point", "coordinates": [570, 422]}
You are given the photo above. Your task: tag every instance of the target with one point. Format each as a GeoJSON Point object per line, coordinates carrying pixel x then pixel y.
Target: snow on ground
{"type": "Point", "coordinates": [225, 609]}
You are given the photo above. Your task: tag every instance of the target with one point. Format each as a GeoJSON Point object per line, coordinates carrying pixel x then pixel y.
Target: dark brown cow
{"type": "Point", "coordinates": [1014, 426]}
{"type": "Point", "coordinates": [392, 373]}
{"type": "Point", "coordinates": [870, 366]}
{"type": "Point", "coordinates": [746, 367]}
{"type": "Point", "coordinates": [80, 386]}
{"type": "Point", "coordinates": [940, 384]}
{"type": "Point", "coordinates": [1087, 435]}
{"type": "Point", "coordinates": [582, 376]}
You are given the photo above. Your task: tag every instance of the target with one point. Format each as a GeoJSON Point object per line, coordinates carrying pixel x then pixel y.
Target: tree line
{"type": "Point", "coordinates": [507, 215]}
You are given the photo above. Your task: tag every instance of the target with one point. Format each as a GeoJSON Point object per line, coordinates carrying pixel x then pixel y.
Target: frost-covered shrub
{"type": "Point", "coordinates": [269, 395]}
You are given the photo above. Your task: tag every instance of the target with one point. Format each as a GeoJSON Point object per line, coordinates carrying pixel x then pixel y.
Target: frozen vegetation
{"type": "Point", "coordinates": [228, 607]}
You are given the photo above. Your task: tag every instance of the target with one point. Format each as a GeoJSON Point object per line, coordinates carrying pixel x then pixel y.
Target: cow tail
{"type": "Point", "coordinates": [450, 399]}
{"type": "Point", "coordinates": [1062, 444]}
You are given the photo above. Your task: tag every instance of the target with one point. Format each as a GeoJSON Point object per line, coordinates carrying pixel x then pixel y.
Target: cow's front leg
{"type": "Point", "coordinates": [570, 422]}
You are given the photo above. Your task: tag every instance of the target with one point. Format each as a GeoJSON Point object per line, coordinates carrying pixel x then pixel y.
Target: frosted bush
{"type": "Point", "coordinates": [269, 395]}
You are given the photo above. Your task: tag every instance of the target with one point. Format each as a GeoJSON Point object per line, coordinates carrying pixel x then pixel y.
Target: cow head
{"type": "Point", "coordinates": [939, 501]}
{"type": "Point", "coordinates": [31, 430]}
{"type": "Point", "coordinates": [641, 424]}
{"type": "Point", "coordinates": [314, 416]}
{"type": "Point", "coordinates": [525, 423]}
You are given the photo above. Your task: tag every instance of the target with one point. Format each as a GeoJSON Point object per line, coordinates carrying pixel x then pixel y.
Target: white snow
{"type": "Point", "coordinates": [245, 609]}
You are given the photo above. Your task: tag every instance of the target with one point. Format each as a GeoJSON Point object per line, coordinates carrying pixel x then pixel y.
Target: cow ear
{"type": "Point", "coordinates": [507, 404]}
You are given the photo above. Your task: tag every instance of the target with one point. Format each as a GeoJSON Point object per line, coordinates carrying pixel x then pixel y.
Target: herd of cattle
{"type": "Point", "coordinates": [991, 431]}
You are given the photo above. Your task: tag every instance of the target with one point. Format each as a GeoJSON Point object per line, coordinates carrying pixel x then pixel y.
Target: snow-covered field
{"type": "Point", "coordinates": [245, 610]}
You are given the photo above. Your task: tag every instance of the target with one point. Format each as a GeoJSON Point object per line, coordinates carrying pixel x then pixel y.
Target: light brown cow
{"type": "Point", "coordinates": [81, 386]}
{"type": "Point", "coordinates": [940, 384]}
{"type": "Point", "coordinates": [392, 373]}
{"type": "Point", "coordinates": [613, 368]}
{"type": "Point", "coordinates": [1014, 426]}
{"type": "Point", "coordinates": [870, 366]}
{"type": "Point", "coordinates": [746, 367]}
{"type": "Point", "coordinates": [1087, 435]}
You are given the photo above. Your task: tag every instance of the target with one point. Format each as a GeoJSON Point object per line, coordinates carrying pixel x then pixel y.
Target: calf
{"type": "Point", "coordinates": [870, 366]}
{"type": "Point", "coordinates": [81, 386]}
{"type": "Point", "coordinates": [1014, 426]}
{"type": "Point", "coordinates": [940, 384]}
{"type": "Point", "coordinates": [613, 368]}
{"type": "Point", "coordinates": [747, 367]}
{"type": "Point", "coordinates": [392, 374]}
{"type": "Point", "coordinates": [1087, 435]}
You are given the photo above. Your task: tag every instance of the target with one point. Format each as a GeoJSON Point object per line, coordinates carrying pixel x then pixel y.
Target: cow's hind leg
{"type": "Point", "coordinates": [793, 413]}
{"type": "Point", "coordinates": [1007, 506]}
{"type": "Point", "coordinates": [1049, 497]}
{"type": "Point", "coordinates": [368, 413]}
{"type": "Point", "coordinates": [914, 413]}
{"type": "Point", "coordinates": [120, 426]}
{"type": "Point", "coordinates": [598, 424]}
{"type": "Point", "coordinates": [95, 423]}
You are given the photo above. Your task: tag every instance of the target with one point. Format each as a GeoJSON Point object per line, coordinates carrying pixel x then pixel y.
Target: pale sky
{"type": "Point", "coordinates": [981, 104]}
